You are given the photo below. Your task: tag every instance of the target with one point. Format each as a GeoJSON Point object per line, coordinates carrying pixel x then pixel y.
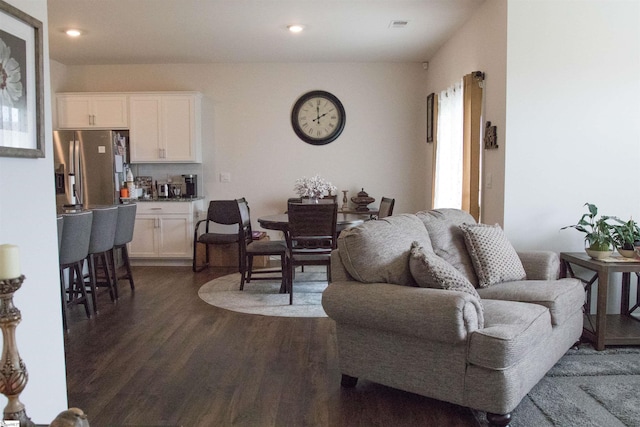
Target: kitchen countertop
{"type": "Point", "coordinates": [171, 200]}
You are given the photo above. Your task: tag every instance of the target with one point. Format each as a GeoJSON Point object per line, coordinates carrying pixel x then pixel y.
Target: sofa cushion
{"type": "Point", "coordinates": [511, 330]}
{"type": "Point", "coordinates": [431, 271]}
{"type": "Point", "coordinates": [494, 259]}
{"type": "Point", "coordinates": [378, 251]}
{"type": "Point", "coordinates": [447, 239]}
{"type": "Point", "coordinates": [562, 297]}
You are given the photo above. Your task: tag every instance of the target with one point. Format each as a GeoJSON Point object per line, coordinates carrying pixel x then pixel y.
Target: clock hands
{"type": "Point", "coordinates": [319, 117]}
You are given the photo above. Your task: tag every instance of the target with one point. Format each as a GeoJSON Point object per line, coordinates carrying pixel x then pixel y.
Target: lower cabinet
{"type": "Point", "coordinates": [164, 230]}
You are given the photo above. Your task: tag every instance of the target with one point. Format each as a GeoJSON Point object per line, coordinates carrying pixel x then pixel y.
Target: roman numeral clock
{"type": "Point", "coordinates": [318, 117]}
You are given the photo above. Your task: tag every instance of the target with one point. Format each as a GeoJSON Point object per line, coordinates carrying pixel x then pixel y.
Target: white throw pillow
{"type": "Point", "coordinates": [494, 258]}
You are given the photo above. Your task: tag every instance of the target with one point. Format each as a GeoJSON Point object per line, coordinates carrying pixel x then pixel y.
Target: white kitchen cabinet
{"type": "Point", "coordinates": [92, 111]}
{"type": "Point", "coordinates": [165, 127]}
{"type": "Point", "coordinates": [164, 230]}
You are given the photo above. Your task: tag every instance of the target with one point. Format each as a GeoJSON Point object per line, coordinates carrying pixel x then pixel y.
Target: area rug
{"type": "Point", "coordinates": [263, 297]}
{"type": "Point", "coordinates": [585, 388]}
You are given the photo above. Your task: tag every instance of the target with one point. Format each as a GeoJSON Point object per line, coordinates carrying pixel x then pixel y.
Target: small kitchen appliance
{"type": "Point", "coordinates": [163, 190]}
{"type": "Point", "coordinates": [191, 186]}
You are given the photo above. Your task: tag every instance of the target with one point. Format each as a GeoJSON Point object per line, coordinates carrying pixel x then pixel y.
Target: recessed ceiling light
{"type": "Point", "coordinates": [398, 23]}
{"type": "Point", "coordinates": [73, 32]}
{"type": "Point", "coordinates": [296, 28]}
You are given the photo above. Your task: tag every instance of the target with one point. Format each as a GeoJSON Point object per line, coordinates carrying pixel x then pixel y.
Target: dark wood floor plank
{"type": "Point", "coordinates": [161, 356]}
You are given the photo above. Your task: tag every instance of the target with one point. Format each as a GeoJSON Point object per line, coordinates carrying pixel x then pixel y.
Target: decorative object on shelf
{"type": "Point", "coordinates": [318, 117]}
{"type": "Point", "coordinates": [626, 237]}
{"type": "Point", "coordinates": [21, 47]}
{"type": "Point", "coordinates": [345, 200]}
{"type": "Point", "coordinates": [597, 232]}
{"type": "Point", "coordinates": [362, 200]}
{"type": "Point", "coordinates": [72, 417]}
{"type": "Point", "coordinates": [490, 136]}
{"type": "Point", "coordinates": [430, 112]}
{"type": "Point", "coordinates": [13, 374]}
{"type": "Point", "coordinates": [315, 187]}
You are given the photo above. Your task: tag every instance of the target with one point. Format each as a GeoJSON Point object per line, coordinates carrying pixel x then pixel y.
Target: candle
{"type": "Point", "coordinates": [9, 262]}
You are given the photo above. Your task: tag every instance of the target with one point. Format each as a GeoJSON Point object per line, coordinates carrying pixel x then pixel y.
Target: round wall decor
{"type": "Point", "coordinates": [318, 117]}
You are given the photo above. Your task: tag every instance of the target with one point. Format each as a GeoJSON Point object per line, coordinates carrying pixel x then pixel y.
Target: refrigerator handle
{"type": "Point", "coordinates": [71, 198]}
{"type": "Point", "coordinates": [79, 190]}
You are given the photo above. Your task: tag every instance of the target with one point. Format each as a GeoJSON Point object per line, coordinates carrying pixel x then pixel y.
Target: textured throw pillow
{"type": "Point", "coordinates": [493, 257]}
{"type": "Point", "coordinates": [431, 271]}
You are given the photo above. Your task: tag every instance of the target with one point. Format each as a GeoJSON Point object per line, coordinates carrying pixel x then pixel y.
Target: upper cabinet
{"type": "Point", "coordinates": [165, 127]}
{"type": "Point", "coordinates": [92, 111]}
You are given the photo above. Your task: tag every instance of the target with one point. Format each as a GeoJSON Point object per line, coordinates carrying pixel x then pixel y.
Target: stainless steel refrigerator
{"type": "Point", "coordinates": [89, 166]}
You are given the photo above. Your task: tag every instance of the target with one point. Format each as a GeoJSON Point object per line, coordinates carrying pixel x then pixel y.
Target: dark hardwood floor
{"type": "Point", "coordinates": [163, 357]}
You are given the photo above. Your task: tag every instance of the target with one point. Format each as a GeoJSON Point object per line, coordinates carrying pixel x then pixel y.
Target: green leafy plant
{"type": "Point", "coordinates": [597, 230]}
{"type": "Point", "coordinates": [625, 235]}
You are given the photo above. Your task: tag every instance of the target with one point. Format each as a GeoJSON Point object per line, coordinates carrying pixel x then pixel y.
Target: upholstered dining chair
{"type": "Point", "coordinates": [386, 207]}
{"type": "Point", "coordinates": [124, 234]}
{"type": "Point", "coordinates": [224, 212]}
{"type": "Point", "coordinates": [74, 248]}
{"type": "Point", "coordinates": [103, 232]}
{"type": "Point", "coordinates": [311, 237]}
{"type": "Point", "coordinates": [250, 248]}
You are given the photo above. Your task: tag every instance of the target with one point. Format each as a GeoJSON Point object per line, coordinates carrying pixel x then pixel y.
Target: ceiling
{"type": "Point", "coordinates": [206, 31]}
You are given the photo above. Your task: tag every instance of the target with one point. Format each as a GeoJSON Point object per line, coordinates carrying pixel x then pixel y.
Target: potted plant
{"type": "Point", "coordinates": [626, 235]}
{"type": "Point", "coordinates": [597, 232]}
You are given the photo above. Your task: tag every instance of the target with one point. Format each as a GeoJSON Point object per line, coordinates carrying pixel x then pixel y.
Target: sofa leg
{"type": "Point", "coordinates": [348, 381]}
{"type": "Point", "coordinates": [576, 345]}
{"type": "Point", "coordinates": [498, 420]}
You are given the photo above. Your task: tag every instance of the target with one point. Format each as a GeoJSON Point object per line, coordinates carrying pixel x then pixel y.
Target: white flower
{"type": "Point", "coordinates": [10, 85]}
{"type": "Point", "coordinates": [314, 187]}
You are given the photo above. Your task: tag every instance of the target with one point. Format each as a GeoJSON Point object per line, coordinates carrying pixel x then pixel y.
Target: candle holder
{"type": "Point", "coordinates": [345, 200]}
{"type": "Point", "coordinates": [13, 372]}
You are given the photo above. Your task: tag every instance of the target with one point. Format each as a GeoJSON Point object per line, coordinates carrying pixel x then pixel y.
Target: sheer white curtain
{"type": "Point", "coordinates": [448, 182]}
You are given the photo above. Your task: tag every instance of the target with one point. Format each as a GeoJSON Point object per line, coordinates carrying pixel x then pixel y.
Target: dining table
{"type": "Point", "coordinates": [281, 221]}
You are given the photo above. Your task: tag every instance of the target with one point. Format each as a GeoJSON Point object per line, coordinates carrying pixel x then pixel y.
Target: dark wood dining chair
{"type": "Point", "coordinates": [220, 212]}
{"type": "Point", "coordinates": [311, 237]}
{"type": "Point", "coordinates": [386, 207]}
{"type": "Point", "coordinates": [250, 248]}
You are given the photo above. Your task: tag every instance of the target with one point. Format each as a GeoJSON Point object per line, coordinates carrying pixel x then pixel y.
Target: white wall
{"type": "Point", "coordinates": [27, 219]}
{"type": "Point", "coordinates": [573, 128]}
{"type": "Point", "coordinates": [480, 45]}
{"type": "Point", "coordinates": [248, 129]}
{"type": "Point", "coordinates": [573, 116]}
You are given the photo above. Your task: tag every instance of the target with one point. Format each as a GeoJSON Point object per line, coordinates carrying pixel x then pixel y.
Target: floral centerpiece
{"type": "Point", "coordinates": [315, 187]}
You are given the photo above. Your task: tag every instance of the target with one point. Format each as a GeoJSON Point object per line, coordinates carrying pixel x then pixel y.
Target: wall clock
{"type": "Point", "coordinates": [318, 117]}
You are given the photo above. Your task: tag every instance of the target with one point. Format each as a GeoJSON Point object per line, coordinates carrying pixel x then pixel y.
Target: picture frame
{"type": "Point", "coordinates": [430, 100]}
{"type": "Point", "coordinates": [22, 85]}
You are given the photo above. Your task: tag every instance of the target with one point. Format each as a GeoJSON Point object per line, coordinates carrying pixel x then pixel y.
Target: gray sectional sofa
{"type": "Point", "coordinates": [407, 318]}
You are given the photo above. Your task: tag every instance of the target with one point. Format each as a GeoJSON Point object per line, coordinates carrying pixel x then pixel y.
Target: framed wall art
{"type": "Point", "coordinates": [21, 84]}
{"type": "Point", "coordinates": [430, 99]}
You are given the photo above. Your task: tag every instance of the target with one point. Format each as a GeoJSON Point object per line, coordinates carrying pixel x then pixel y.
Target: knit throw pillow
{"type": "Point", "coordinates": [431, 271]}
{"type": "Point", "coordinates": [493, 257]}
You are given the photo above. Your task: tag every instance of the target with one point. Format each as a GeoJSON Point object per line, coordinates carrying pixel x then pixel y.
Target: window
{"type": "Point", "coordinates": [456, 178]}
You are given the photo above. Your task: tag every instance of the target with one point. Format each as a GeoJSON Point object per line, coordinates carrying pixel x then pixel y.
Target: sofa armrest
{"type": "Point", "coordinates": [540, 265]}
{"type": "Point", "coordinates": [432, 314]}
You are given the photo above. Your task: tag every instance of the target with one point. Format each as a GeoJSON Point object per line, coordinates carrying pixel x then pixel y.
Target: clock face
{"type": "Point", "coordinates": [318, 117]}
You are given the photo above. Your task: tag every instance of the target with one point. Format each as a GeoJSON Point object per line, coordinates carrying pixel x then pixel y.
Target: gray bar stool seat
{"type": "Point", "coordinates": [103, 231]}
{"type": "Point", "coordinates": [75, 233]}
{"type": "Point", "coordinates": [124, 235]}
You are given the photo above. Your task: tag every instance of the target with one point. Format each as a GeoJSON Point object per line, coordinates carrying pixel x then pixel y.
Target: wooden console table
{"type": "Point", "coordinates": [612, 329]}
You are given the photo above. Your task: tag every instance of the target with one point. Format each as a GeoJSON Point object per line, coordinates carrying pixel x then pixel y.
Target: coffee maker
{"type": "Point", "coordinates": [191, 186]}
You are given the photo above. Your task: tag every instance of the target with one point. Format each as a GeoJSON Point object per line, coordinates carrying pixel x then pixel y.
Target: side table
{"type": "Point", "coordinates": [612, 329]}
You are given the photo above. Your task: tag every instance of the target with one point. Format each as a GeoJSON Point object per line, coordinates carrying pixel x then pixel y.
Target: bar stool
{"type": "Point", "coordinates": [75, 233]}
{"type": "Point", "coordinates": [103, 231]}
{"type": "Point", "coordinates": [124, 234]}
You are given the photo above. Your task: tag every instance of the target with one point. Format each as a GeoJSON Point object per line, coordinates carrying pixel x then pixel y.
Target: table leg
{"type": "Point", "coordinates": [601, 315]}
{"type": "Point", "coordinates": [626, 288]}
